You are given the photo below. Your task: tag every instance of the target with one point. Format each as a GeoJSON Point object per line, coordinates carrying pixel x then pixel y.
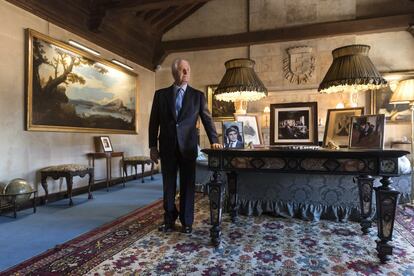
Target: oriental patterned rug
{"type": "Point", "coordinates": [254, 246]}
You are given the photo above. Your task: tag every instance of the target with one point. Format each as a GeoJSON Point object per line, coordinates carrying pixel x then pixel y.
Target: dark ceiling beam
{"type": "Point", "coordinates": [410, 29]}
{"type": "Point", "coordinates": [174, 20]}
{"type": "Point", "coordinates": [311, 31]}
{"type": "Point", "coordinates": [165, 13]}
{"type": "Point", "coordinates": [149, 15]}
{"type": "Point", "coordinates": [97, 13]}
{"type": "Point", "coordinates": [137, 5]}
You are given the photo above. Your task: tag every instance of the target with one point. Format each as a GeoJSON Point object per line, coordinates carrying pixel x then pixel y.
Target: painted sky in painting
{"type": "Point", "coordinates": [99, 88]}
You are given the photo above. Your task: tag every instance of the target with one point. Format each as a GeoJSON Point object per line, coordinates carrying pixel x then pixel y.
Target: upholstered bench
{"type": "Point", "coordinates": [67, 171]}
{"type": "Point", "coordinates": [135, 161]}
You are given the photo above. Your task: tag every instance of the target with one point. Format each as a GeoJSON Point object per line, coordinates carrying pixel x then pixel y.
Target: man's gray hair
{"type": "Point", "coordinates": [174, 65]}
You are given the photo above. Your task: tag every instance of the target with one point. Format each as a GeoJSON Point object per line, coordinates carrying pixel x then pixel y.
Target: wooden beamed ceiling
{"type": "Point", "coordinates": [133, 29]}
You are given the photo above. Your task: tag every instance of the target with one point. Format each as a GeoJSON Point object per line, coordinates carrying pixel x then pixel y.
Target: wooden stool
{"type": "Point", "coordinates": [67, 171]}
{"type": "Point", "coordinates": [138, 160]}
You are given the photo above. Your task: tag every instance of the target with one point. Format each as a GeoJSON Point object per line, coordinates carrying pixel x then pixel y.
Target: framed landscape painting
{"type": "Point", "coordinates": [70, 90]}
{"type": "Point", "coordinates": [220, 110]}
{"type": "Point", "coordinates": [294, 124]}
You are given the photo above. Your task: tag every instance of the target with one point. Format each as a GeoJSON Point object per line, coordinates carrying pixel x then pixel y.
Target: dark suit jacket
{"type": "Point", "coordinates": [179, 131]}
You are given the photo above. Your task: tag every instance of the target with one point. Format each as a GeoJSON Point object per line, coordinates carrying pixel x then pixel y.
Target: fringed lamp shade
{"type": "Point", "coordinates": [240, 82]}
{"type": "Point", "coordinates": [351, 68]}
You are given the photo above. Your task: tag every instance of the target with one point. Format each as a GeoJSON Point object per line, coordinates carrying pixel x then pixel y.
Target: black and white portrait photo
{"type": "Point", "coordinates": [233, 135]}
{"type": "Point", "coordinates": [293, 123]}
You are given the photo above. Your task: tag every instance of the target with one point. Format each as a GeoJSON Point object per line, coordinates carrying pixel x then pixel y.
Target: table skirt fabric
{"type": "Point", "coordinates": [305, 196]}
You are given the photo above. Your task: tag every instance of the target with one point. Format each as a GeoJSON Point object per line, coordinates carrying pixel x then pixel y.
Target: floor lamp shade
{"type": "Point", "coordinates": [240, 82]}
{"type": "Point", "coordinates": [351, 67]}
{"type": "Point", "coordinates": [404, 92]}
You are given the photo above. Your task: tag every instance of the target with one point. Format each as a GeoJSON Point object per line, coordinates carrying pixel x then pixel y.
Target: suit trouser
{"type": "Point", "coordinates": [187, 168]}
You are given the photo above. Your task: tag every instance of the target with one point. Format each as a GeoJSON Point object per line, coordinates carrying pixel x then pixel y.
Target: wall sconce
{"type": "Point", "coordinates": [240, 84]}
{"type": "Point", "coordinates": [83, 47]}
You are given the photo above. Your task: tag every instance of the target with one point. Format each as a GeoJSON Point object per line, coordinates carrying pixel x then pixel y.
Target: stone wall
{"type": "Point", "coordinates": [390, 51]}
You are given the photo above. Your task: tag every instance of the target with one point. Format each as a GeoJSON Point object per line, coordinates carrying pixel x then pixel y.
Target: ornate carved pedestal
{"type": "Point", "coordinates": [365, 187]}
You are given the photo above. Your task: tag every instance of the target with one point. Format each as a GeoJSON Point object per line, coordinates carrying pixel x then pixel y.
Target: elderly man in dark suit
{"type": "Point", "coordinates": [174, 115]}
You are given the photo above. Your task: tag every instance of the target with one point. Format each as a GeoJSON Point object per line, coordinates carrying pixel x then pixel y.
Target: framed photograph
{"type": "Point", "coordinates": [251, 128]}
{"type": "Point", "coordinates": [294, 124]}
{"type": "Point", "coordinates": [220, 110]}
{"type": "Point", "coordinates": [106, 144]}
{"type": "Point", "coordinates": [337, 127]}
{"type": "Point", "coordinates": [367, 132]}
{"type": "Point", "coordinates": [233, 135]}
{"type": "Point", "coordinates": [73, 91]}
{"type": "Point", "coordinates": [380, 99]}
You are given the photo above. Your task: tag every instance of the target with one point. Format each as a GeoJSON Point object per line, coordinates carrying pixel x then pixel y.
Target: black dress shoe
{"type": "Point", "coordinates": [187, 229]}
{"type": "Point", "coordinates": [166, 228]}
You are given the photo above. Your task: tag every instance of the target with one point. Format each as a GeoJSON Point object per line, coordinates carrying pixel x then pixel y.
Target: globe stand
{"type": "Point", "coordinates": [11, 202]}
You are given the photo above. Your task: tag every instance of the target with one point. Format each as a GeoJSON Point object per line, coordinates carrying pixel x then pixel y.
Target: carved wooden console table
{"type": "Point", "coordinates": [365, 164]}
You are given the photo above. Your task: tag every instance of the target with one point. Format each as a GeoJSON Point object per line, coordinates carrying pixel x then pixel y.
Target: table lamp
{"type": "Point", "coordinates": [405, 94]}
{"type": "Point", "coordinates": [240, 84]}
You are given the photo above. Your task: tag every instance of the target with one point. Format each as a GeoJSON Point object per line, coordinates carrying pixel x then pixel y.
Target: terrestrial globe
{"type": "Point", "coordinates": [15, 187]}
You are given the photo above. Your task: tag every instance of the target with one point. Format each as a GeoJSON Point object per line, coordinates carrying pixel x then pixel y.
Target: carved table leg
{"type": "Point", "coordinates": [69, 183]}
{"type": "Point", "coordinates": [44, 185]}
{"type": "Point", "coordinates": [90, 196]}
{"type": "Point", "coordinates": [232, 185]}
{"type": "Point", "coordinates": [365, 187]}
{"type": "Point", "coordinates": [34, 202]}
{"type": "Point", "coordinates": [136, 171]}
{"type": "Point", "coordinates": [152, 170]}
{"type": "Point", "coordinates": [142, 172]}
{"type": "Point", "coordinates": [386, 199]}
{"type": "Point", "coordinates": [216, 195]}
{"type": "Point", "coordinates": [125, 167]}
{"type": "Point", "coordinates": [14, 206]}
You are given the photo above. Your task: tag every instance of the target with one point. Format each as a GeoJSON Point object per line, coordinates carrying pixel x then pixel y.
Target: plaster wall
{"type": "Point", "coordinates": [23, 153]}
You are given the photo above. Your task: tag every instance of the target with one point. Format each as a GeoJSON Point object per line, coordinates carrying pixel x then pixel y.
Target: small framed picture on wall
{"type": "Point", "coordinates": [294, 124]}
{"type": "Point", "coordinates": [367, 132]}
{"type": "Point", "coordinates": [338, 123]}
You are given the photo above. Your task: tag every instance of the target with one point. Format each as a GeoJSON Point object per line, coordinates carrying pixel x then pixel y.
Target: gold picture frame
{"type": "Point", "coordinates": [220, 110]}
{"type": "Point", "coordinates": [394, 114]}
{"type": "Point", "coordinates": [70, 90]}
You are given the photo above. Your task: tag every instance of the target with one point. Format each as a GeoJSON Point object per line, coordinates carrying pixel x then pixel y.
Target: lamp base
{"type": "Point", "coordinates": [240, 106]}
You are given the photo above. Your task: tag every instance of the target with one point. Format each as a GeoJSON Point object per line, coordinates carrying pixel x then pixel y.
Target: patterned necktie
{"type": "Point", "coordinates": [179, 100]}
